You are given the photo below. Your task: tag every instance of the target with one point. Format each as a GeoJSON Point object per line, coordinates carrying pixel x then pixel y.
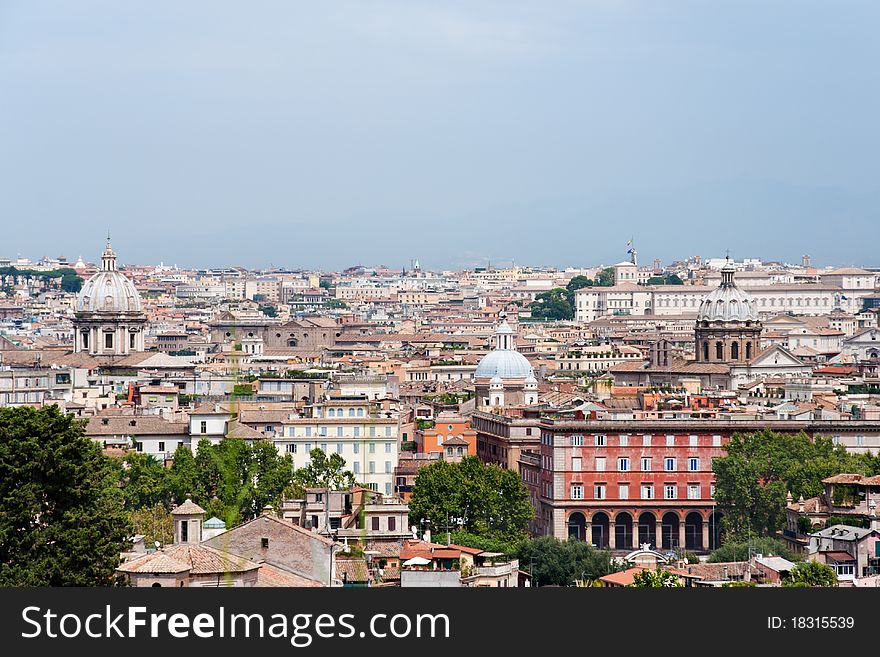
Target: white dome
{"type": "Point", "coordinates": [727, 303]}
{"type": "Point", "coordinates": [505, 364]}
{"type": "Point", "coordinates": [108, 291]}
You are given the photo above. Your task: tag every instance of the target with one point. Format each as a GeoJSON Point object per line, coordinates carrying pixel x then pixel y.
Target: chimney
{"type": "Point", "coordinates": [427, 536]}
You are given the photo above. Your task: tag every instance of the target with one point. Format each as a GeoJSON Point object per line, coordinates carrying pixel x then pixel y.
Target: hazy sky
{"type": "Point", "coordinates": [329, 133]}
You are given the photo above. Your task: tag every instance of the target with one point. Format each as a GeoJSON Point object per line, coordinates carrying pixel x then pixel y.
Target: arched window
{"type": "Point", "coordinates": [331, 412]}
{"type": "Point", "coordinates": [748, 350]}
{"type": "Point", "coordinates": [734, 351]}
{"type": "Point", "coordinates": [705, 351]}
{"type": "Point", "coordinates": [719, 351]}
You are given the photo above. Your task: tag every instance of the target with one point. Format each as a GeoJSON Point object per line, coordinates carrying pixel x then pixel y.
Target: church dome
{"type": "Point", "coordinates": [727, 302]}
{"type": "Point", "coordinates": [505, 364]}
{"type": "Point", "coordinates": [108, 291]}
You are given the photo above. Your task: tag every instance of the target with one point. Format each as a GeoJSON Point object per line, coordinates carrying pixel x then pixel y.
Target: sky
{"type": "Point", "coordinates": [326, 134]}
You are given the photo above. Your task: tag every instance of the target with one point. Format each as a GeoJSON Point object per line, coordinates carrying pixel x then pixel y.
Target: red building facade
{"type": "Point", "coordinates": [622, 484]}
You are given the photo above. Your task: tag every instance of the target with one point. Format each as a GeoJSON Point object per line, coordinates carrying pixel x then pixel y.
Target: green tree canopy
{"type": "Point", "coordinates": [752, 480]}
{"type": "Point", "coordinates": [481, 499]}
{"type": "Point", "coordinates": [605, 278]}
{"type": "Point", "coordinates": [321, 472]}
{"type": "Point", "coordinates": [553, 305]}
{"type": "Point", "coordinates": [560, 563]}
{"type": "Point", "coordinates": [579, 282]}
{"type": "Point", "coordinates": [63, 521]}
{"type": "Point", "coordinates": [653, 579]}
{"type": "Point", "coordinates": [733, 550]}
{"type": "Point", "coordinates": [155, 523]}
{"type": "Point", "coordinates": [812, 574]}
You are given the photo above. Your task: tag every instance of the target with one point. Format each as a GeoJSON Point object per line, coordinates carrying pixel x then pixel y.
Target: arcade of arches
{"type": "Point", "coordinates": [662, 530]}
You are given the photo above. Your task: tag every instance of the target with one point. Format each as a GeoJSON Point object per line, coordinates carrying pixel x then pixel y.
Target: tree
{"type": "Point", "coordinates": [656, 579]}
{"type": "Point", "coordinates": [605, 278]}
{"type": "Point", "coordinates": [559, 563]}
{"type": "Point", "coordinates": [481, 499]}
{"type": "Point", "coordinates": [321, 472]}
{"type": "Point", "coordinates": [753, 479]}
{"type": "Point", "coordinates": [811, 574]}
{"type": "Point", "coordinates": [155, 523]}
{"type": "Point", "coordinates": [733, 550]}
{"type": "Point", "coordinates": [553, 305]}
{"type": "Point", "coordinates": [234, 480]}
{"type": "Point", "coordinates": [144, 481]}
{"type": "Point", "coordinates": [579, 282]}
{"type": "Point", "coordinates": [62, 516]}
{"type": "Point", "coordinates": [183, 476]}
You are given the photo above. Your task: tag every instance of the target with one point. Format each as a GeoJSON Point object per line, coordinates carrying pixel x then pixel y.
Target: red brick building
{"type": "Point", "coordinates": [620, 484]}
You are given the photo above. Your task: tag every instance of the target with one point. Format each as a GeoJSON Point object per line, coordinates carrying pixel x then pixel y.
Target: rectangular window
{"type": "Point", "coordinates": [392, 523]}
{"type": "Point", "coordinates": [669, 464]}
{"type": "Point", "coordinates": [576, 463]}
{"type": "Point", "coordinates": [692, 440]}
{"type": "Point", "coordinates": [646, 440]}
{"type": "Point", "coordinates": [339, 447]}
{"type": "Point", "coordinates": [308, 447]}
{"type": "Point", "coordinates": [694, 464]}
{"type": "Point", "coordinates": [308, 433]}
{"type": "Point", "coordinates": [388, 432]}
{"type": "Point", "coordinates": [356, 468]}
{"type": "Point", "coordinates": [161, 446]}
{"type": "Point", "coordinates": [372, 432]}
{"type": "Point", "coordinates": [669, 492]}
{"type": "Point", "coordinates": [577, 492]}
{"type": "Point", "coordinates": [716, 441]}
{"type": "Point", "coordinates": [623, 465]}
{"type": "Point", "coordinates": [624, 439]}
{"type": "Point", "coordinates": [291, 448]}
{"type": "Point", "coordinates": [323, 431]}
{"type": "Point", "coordinates": [203, 426]}
{"type": "Point", "coordinates": [387, 448]}
{"type": "Point", "coordinates": [375, 523]}
{"type": "Point", "coordinates": [372, 448]}
{"type": "Point", "coordinates": [372, 467]}
{"type": "Point", "coordinates": [646, 464]}
{"type": "Point", "coordinates": [356, 432]}
{"type": "Point", "coordinates": [693, 491]}
{"type": "Point", "coordinates": [670, 440]}
{"type": "Point", "coordinates": [600, 441]}
{"type": "Point", "coordinates": [184, 531]}
{"type": "Point", "coordinates": [356, 447]}
{"type": "Point", "coordinates": [324, 447]}
{"type": "Point", "coordinates": [599, 491]}
{"type": "Point", "coordinates": [108, 340]}
{"type": "Point", "coordinates": [647, 491]}
{"type": "Point", "coordinates": [388, 492]}
{"type": "Point", "coordinates": [623, 491]}
{"type": "Point", "coordinates": [388, 468]}
{"type": "Point", "coordinates": [600, 464]}
{"type": "Point", "coordinates": [577, 441]}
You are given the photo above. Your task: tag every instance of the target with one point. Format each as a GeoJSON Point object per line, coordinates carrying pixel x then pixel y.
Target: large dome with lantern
{"type": "Point", "coordinates": [727, 302]}
{"type": "Point", "coordinates": [108, 291]}
{"type": "Point", "coordinates": [504, 361]}
{"type": "Point", "coordinates": [109, 319]}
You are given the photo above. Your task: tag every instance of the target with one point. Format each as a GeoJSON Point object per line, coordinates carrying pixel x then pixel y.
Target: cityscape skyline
{"type": "Point", "coordinates": [344, 132]}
